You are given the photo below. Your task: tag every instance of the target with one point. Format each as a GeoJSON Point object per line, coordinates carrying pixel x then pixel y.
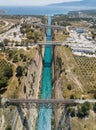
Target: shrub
{"type": "Point", "coordinates": [8, 128]}
{"type": "Point", "coordinates": [71, 111]}
{"type": "Point", "coordinates": [15, 59]}
{"type": "Point", "coordinates": [19, 71]}
{"type": "Point", "coordinates": [95, 95]}
{"type": "Point", "coordinates": [3, 82]}
{"type": "Point", "coordinates": [21, 55]}
{"type": "Point", "coordinates": [8, 72]}
{"type": "Point", "coordinates": [69, 87]}
{"type": "Point", "coordinates": [84, 110]}
{"type": "Point", "coordinates": [10, 54]}
{"type": "Point", "coordinates": [94, 107]}
{"type": "Point", "coordinates": [72, 96]}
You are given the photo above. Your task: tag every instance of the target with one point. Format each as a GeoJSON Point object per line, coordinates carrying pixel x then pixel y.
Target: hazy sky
{"type": "Point", "coordinates": [31, 2]}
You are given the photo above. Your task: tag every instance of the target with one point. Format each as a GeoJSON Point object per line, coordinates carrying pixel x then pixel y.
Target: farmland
{"type": "Point", "coordinates": [87, 72]}
{"type": "Point", "coordinates": [79, 72]}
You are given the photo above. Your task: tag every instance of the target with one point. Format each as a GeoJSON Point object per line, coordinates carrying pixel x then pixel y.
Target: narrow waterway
{"type": "Point", "coordinates": [44, 117]}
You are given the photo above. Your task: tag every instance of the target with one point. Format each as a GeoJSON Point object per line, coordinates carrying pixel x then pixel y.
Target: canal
{"type": "Point", "coordinates": [44, 115]}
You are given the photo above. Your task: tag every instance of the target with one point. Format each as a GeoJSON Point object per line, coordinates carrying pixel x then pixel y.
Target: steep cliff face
{"type": "Point", "coordinates": [57, 95]}
{"type": "Point", "coordinates": [59, 119]}
{"type": "Point", "coordinates": [32, 82]}
{"type": "Point", "coordinates": [57, 92]}
{"type": "Point", "coordinates": [28, 116]}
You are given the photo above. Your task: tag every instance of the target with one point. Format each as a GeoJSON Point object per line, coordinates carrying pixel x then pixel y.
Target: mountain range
{"type": "Point", "coordinates": [90, 3]}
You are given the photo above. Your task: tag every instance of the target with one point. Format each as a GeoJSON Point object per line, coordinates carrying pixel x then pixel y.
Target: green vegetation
{"type": "Point", "coordinates": [3, 82]}
{"type": "Point", "coordinates": [71, 110]}
{"type": "Point", "coordinates": [59, 64]}
{"type": "Point", "coordinates": [5, 42]}
{"type": "Point", "coordinates": [83, 110]}
{"type": "Point", "coordinates": [60, 35]}
{"type": "Point", "coordinates": [62, 20]}
{"type": "Point", "coordinates": [15, 59]}
{"type": "Point", "coordinates": [69, 87]}
{"type": "Point", "coordinates": [2, 23]}
{"type": "Point", "coordinates": [93, 32]}
{"type": "Point", "coordinates": [94, 107]}
{"type": "Point", "coordinates": [13, 70]}
{"type": "Point", "coordinates": [73, 96]}
{"type": "Point", "coordinates": [33, 34]}
{"type": "Point", "coordinates": [6, 72]}
{"type": "Point", "coordinates": [8, 128]}
{"type": "Point", "coordinates": [19, 71]}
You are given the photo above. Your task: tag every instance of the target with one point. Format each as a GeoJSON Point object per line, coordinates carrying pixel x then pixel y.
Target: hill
{"type": "Point", "coordinates": [91, 3]}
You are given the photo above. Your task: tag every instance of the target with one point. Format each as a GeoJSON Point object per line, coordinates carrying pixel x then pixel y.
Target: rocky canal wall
{"type": "Point", "coordinates": [57, 92]}
{"type": "Point", "coordinates": [27, 117]}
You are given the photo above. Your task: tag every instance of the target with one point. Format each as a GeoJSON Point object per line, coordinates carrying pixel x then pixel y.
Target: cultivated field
{"type": "Point", "coordinates": [78, 72]}
{"type": "Point", "coordinates": [87, 72]}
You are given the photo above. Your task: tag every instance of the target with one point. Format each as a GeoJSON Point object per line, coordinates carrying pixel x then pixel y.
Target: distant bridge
{"type": "Point", "coordinates": [49, 26]}
{"type": "Point", "coordinates": [52, 43]}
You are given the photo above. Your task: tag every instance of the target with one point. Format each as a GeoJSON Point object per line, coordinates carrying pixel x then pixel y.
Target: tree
{"type": "Point", "coordinates": [19, 71]}
{"type": "Point", "coordinates": [29, 35]}
{"type": "Point", "coordinates": [8, 72]}
{"type": "Point", "coordinates": [21, 55]}
{"type": "Point", "coordinates": [22, 31]}
{"type": "Point", "coordinates": [94, 107]}
{"type": "Point", "coordinates": [72, 96]}
{"type": "Point", "coordinates": [1, 44]}
{"type": "Point", "coordinates": [15, 59]}
{"type": "Point", "coordinates": [10, 54]}
{"type": "Point", "coordinates": [3, 82]}
{"type": "Point", "coordinates": [8, 128]}
{"type": "Point", "coordinates": [71, 111]}
{"type": "Point", "coordinates": [84, 110]}
{"type": "Point", "coordinates": [95, 95]}
{"type": "Point", "coordinates": [80, 114]}
{"type": "Point", "coordinates": [69, 87]}
{"type": "Point", "coordinates": [6, 41]}
{"type": "Point", "coordinates": [14, 33]}
{"type": "Point", "coordinates": [24, 58]}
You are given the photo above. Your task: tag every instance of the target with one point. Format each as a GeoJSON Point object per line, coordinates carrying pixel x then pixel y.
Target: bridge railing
{"type": "Point", "coordinates": [47, 103]}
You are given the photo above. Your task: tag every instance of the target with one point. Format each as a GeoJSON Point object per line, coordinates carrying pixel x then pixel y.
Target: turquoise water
{"type": "Point", "coordinates": [44, 117]}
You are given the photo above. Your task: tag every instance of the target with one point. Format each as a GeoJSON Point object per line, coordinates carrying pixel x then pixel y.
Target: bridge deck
{"type": "Point", "coordinates": [52, 101]}
{"type": "Point", "coordinates": [42, 101]}
{"type": "Point", "coordinates": [49, 26]}
{"type": "Point", "coordinates": [52, 43]}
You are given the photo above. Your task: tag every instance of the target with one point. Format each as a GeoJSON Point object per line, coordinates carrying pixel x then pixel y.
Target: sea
{"type": "Point", "coordinates": [40, 10]}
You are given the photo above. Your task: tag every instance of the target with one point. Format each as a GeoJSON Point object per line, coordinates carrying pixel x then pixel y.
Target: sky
{"type": "Point", "coordinates": [31, 2]}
